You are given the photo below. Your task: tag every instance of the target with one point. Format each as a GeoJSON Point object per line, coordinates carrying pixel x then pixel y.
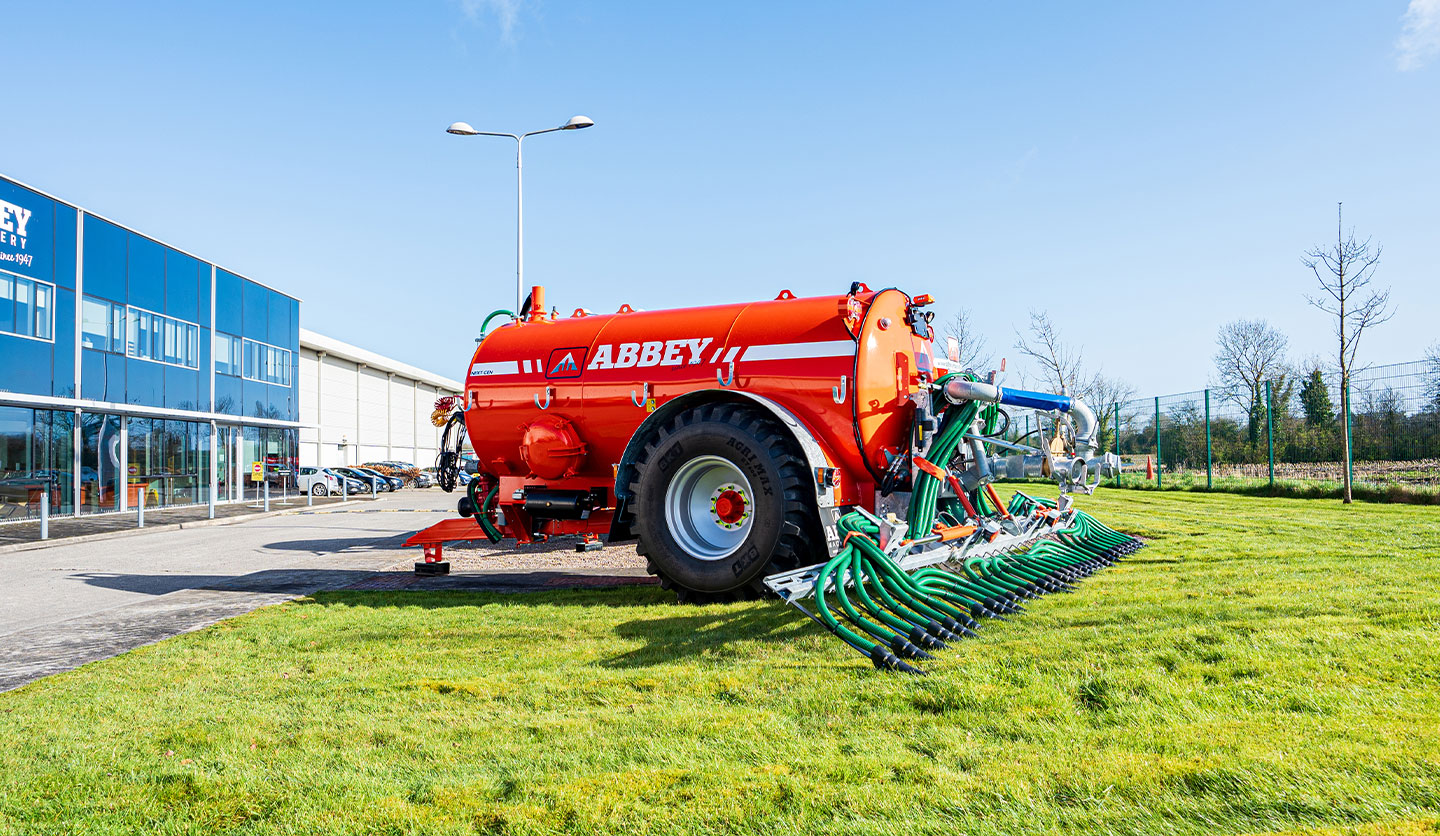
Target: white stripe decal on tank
{"type": "Point", "coordinates": [491, 369]}
{"type": "Point", "coordinates": [730, 355]}
{"type": "Point", "coordinates": [802, 351]}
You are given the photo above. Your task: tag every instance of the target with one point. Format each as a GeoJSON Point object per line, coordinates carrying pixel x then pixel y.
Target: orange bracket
{"type": "Point", "coordinates": [931, 469]}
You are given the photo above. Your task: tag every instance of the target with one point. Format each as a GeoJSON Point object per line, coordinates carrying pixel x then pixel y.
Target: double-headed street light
{"type": "Point", "coordinates": [464, 129]}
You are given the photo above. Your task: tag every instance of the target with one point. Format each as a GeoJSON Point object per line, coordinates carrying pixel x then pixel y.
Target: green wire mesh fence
{"type": "Point", "coordinates": [1287, 431]}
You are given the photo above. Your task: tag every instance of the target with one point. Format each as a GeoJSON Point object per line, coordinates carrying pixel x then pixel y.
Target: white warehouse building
{"type": "Point", "coordinates": [357, 406]}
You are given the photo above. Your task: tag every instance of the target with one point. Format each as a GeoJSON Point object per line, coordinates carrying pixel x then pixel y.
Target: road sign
{"type": "Point", "coordinates": [257, 472]}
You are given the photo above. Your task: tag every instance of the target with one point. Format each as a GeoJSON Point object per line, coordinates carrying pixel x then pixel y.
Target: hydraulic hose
{"type": "Point", "coordinates": [483, 508]}
{"type": "Point", "coordinates": [484, 325]}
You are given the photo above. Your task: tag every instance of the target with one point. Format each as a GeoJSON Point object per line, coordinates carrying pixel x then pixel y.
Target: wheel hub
{"type": "Point", "coordinates": [708, 507]}
{"type": "Point", "coordinates": [729, 506]}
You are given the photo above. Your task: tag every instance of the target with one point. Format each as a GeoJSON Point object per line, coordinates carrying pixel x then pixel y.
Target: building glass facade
{"type": "Point", "coordinates": [130, 370]}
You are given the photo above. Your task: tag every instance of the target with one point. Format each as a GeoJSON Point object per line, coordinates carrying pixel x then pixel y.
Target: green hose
{"type": "Point", "coordinates": [482, 509]}
{"type": "Point", "coordinates": [486, 323]}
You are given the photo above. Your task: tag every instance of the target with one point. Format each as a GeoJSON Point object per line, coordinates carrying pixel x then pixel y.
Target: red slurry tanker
{"type": "Point", "coordinates": [723, 438]}
{"type": "Point", "coordinates": [729, 441]}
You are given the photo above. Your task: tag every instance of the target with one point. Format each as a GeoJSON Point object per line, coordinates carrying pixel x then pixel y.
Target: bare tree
{"type": "Point", "coordinates": [1344, 274]}
{"type": "Point", "coordinates": [1248, 353]}
{"type": "Point", "coordinates": [1062, 369]}
{"type": "Point", "coordinates": [1058, 362]}
{"type": "Point", "coordinates": [1105, 395]}
{"type": "Point", "coordinates": [973, 353]}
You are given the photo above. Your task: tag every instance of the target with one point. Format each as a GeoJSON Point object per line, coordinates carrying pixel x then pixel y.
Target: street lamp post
{"type": "Point", "coordinates": [464, 129]}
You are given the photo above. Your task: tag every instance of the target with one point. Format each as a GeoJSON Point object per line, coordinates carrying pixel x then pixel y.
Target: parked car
{"type": "Point", "coordinates": [323, 481]}
{"type": "Point", "coordinates": [373, 482]}
{"type": "Point", "coordinates": [352, 485]}
{"type": "Point", "coordinates": [387, 470]}
{"type": "Point", "coordinates": [316, 481]}
{"type": "Point", "coordinates": [388, 482]}
{"type": "Point", "coordinates": [395, 481]}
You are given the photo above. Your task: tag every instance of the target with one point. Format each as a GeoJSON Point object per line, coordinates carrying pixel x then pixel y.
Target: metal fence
{"type": "Point", "coordinates": [1286, 430]}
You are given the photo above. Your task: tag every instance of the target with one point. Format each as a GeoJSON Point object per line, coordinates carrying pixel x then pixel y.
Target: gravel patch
{"type": "Point", "coordinates": [557, 554]}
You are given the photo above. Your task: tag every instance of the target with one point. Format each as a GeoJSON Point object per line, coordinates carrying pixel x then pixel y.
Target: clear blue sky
{"type": "Point", "coordinates": [1144, 171]}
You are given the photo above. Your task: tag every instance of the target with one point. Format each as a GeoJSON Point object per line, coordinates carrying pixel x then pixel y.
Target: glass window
{"type": "Point", "coordinates": [102, 325]}
{"type": "Point", "coordinates": [267, 363]}
{"type": "Point", "coordinates": [27, 307]}
{"type": "Point", "coordinates": [227, 354]}
{"type": "Point", "coordinates": [162, 339]}
{"type": "Point", "coordinates": [100, 477]}
{"type": "Point", "coordinates": [169, 461]}
{"type": "Point", "coordinates": [7, 303]}
{"type": "Point", "coordinates": [95, 324]}
{"type": "Point", "coordinates": [44, 303]}
{"type": "Point", "coordinates": [24, 316]}
{"type": "Point", "coordinates": [35, 460]}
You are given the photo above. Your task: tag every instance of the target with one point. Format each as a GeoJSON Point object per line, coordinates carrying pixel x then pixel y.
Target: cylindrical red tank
{"type": "Point", "coordinates": [551, 400]}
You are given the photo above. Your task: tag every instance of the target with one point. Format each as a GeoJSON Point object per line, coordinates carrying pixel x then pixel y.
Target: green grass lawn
{"type": "Point", "coordinates": [1267, 665]}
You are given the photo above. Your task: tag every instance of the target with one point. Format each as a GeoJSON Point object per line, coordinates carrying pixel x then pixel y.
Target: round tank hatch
{"type": "Point", "coordinates": [551, 448]}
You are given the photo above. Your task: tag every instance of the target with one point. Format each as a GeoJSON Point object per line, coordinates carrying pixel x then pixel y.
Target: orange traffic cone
{"type": "Point", "coordinates": [1149, 468]}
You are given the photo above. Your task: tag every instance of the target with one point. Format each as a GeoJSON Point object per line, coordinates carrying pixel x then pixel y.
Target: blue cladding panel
{"type": "Point", "coordinates": [64, 383]}
{"type": "Point", "coordinates": [257, 312]}
{"type": "Point", "coordinates": [203, 283]}
{"type": "Point", "coordinates": [105, 246]}
{"type": "Point", "coordinates": [144, 383]}
{"type": "Point", "coordinates": [182, 388]}
{"type": "Point", "coordinates": [182, 286]}
{"type": "Point", "coordinates": [146, 275]}
{"type": "Point", "coordinates": [279, 320]}
{"type": "Point", "coordinates": [27, 232]}
{"type": "Point", "coordinates": [228, 398]}
{"type": "Point", "coordinates": [254, 399]}
{"type": "Point", "coordinates": [282, 403]}
{"type": "Point", "coordinates": [227, 302]}
{"type": "Point", "coordinates": [206, 341]}
{"type": "Point", "coordinates": [102, 376]}
{"type": "Point", "coordinates": [65, 218]}
{"type": "Point", "coordinates": [27, 367]}
{"type": "Point", "coordinates": [294, 344]}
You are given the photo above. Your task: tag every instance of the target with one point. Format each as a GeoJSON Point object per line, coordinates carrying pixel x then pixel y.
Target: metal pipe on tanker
{"type": "Point", "coordinates": [1085, 423]}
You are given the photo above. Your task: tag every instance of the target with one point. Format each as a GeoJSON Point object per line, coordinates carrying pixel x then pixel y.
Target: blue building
{"type": "Point", "coordinates": [130, 368]}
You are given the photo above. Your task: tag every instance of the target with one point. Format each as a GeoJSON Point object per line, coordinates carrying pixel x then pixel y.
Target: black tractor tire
{"type": "Point", "coordinates": [784, 529]}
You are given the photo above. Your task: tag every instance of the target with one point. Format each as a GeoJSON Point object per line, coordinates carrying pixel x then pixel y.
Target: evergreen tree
{"type": "Point", "coordinates": [1315, 398]}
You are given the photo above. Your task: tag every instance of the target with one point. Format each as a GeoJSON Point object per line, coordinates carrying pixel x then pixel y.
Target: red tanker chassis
{"type": "Point", "coordinates": [724, 439]}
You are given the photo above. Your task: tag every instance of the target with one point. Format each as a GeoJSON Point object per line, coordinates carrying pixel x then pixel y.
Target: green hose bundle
{"type": "Point", "coordinates": [891, 615]}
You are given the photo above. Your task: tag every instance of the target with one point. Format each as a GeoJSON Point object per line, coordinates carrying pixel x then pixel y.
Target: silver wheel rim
{"type": "Point", "coordinates": [690, 508]}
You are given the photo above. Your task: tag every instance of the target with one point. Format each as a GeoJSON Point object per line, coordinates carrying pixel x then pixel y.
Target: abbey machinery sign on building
{"type": "Point", "coordinates": [15, 235]}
